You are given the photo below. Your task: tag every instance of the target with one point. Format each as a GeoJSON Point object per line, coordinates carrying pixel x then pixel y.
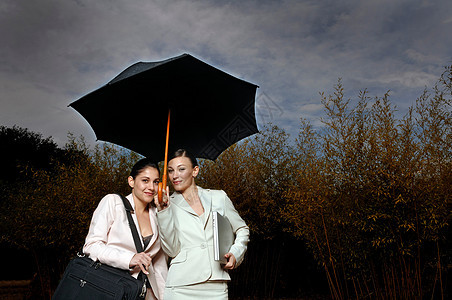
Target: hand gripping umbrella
{"type": "Point", "coordinates": [210, 110]}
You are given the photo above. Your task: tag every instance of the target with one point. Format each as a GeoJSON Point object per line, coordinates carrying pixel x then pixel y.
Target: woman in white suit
{"type": "Point", "coordinates": [110, 240]}
{"type": "Point", "coordinates": [185, 225]}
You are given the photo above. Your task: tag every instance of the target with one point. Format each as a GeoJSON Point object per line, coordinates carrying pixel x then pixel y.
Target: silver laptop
{"type": "Point", "coordinates": [223, 236]}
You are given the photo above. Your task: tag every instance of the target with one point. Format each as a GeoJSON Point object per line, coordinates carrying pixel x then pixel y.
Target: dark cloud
{"type": "Point", "coordinates": [54, 52]}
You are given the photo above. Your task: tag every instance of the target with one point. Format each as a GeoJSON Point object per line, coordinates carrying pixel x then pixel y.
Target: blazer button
{"type": "Point", "coordinates": [203, 245]}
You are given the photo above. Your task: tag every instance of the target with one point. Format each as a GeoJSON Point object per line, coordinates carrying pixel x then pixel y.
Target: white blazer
{"type": "Point", "coordinates": [189, 240]}
{"type": "Point", "coordinates": [110, 241]}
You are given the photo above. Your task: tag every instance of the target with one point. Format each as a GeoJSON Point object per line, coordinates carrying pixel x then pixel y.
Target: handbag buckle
{"type": "Point", "coordinates": [143, 290]}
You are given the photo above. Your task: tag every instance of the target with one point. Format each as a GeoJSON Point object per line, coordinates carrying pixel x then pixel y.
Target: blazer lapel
{"type": "Point", "coordinates": [179, 200]}
{"type": "Point", "coordinates": [206, 200]}
{"type": "Point", "coordinates": [153, 220]}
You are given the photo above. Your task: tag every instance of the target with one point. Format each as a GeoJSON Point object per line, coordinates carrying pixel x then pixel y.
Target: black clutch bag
{"type": "Point", "coordinates": [87, 279]}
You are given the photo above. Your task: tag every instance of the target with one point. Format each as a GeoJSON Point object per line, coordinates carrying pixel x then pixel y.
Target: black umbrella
{"type": "Point", "coordinates": [210, 109]}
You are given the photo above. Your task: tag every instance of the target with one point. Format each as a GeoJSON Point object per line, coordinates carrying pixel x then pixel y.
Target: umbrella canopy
{"type": "Point", "coordinates": [210, 109]}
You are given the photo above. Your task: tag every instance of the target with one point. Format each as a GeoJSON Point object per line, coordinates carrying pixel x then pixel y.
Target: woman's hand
{"type": "Point", "coordinates": [231, 261]}
{"type": "Point", "coordinates": [143, 260]}
{"type": "Point", "coordinates": [165, 202]}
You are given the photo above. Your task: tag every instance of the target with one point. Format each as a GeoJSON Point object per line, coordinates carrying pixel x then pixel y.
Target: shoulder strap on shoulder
{"type": "Point", "coordinates": [133, 228]}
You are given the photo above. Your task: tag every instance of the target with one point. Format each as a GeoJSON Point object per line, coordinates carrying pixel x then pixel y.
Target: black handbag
{"type": "Point", "coordinates": [88, 279]}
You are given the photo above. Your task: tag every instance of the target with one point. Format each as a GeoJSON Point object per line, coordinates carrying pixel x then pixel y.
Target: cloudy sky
{"type": "Point", "coordinates": [53, 52]}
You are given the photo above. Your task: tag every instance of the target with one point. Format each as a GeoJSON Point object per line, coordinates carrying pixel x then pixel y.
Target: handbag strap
{"type": "Point", "coordinates": [136, 239]}
{"type": "Point", "coordinates": [133, 228]}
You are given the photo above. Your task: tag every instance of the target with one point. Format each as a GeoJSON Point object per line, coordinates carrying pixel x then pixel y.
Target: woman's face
{"type": "Point", "coordinates": [181, 173]}
{"type": "Point", "coordinates": [145, 184]}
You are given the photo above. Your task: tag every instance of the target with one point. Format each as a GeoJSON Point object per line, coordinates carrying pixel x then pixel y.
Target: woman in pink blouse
{"type": "Point", "coordinates": [110, 241]}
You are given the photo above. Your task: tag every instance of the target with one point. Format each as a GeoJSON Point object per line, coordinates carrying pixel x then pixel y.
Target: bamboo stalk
{"type": "Point", "coordinates": [439, 269]}
{"type": "Point", "coordinates": [331, 259]}
{"type": "Point", "coordinates": [330, 282]}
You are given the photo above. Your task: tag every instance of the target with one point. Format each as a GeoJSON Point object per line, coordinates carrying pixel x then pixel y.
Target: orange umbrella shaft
{"type": "Point", "coordinates": [165, 163]}
{"type": "Point", "coordinates": [162, 185]}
